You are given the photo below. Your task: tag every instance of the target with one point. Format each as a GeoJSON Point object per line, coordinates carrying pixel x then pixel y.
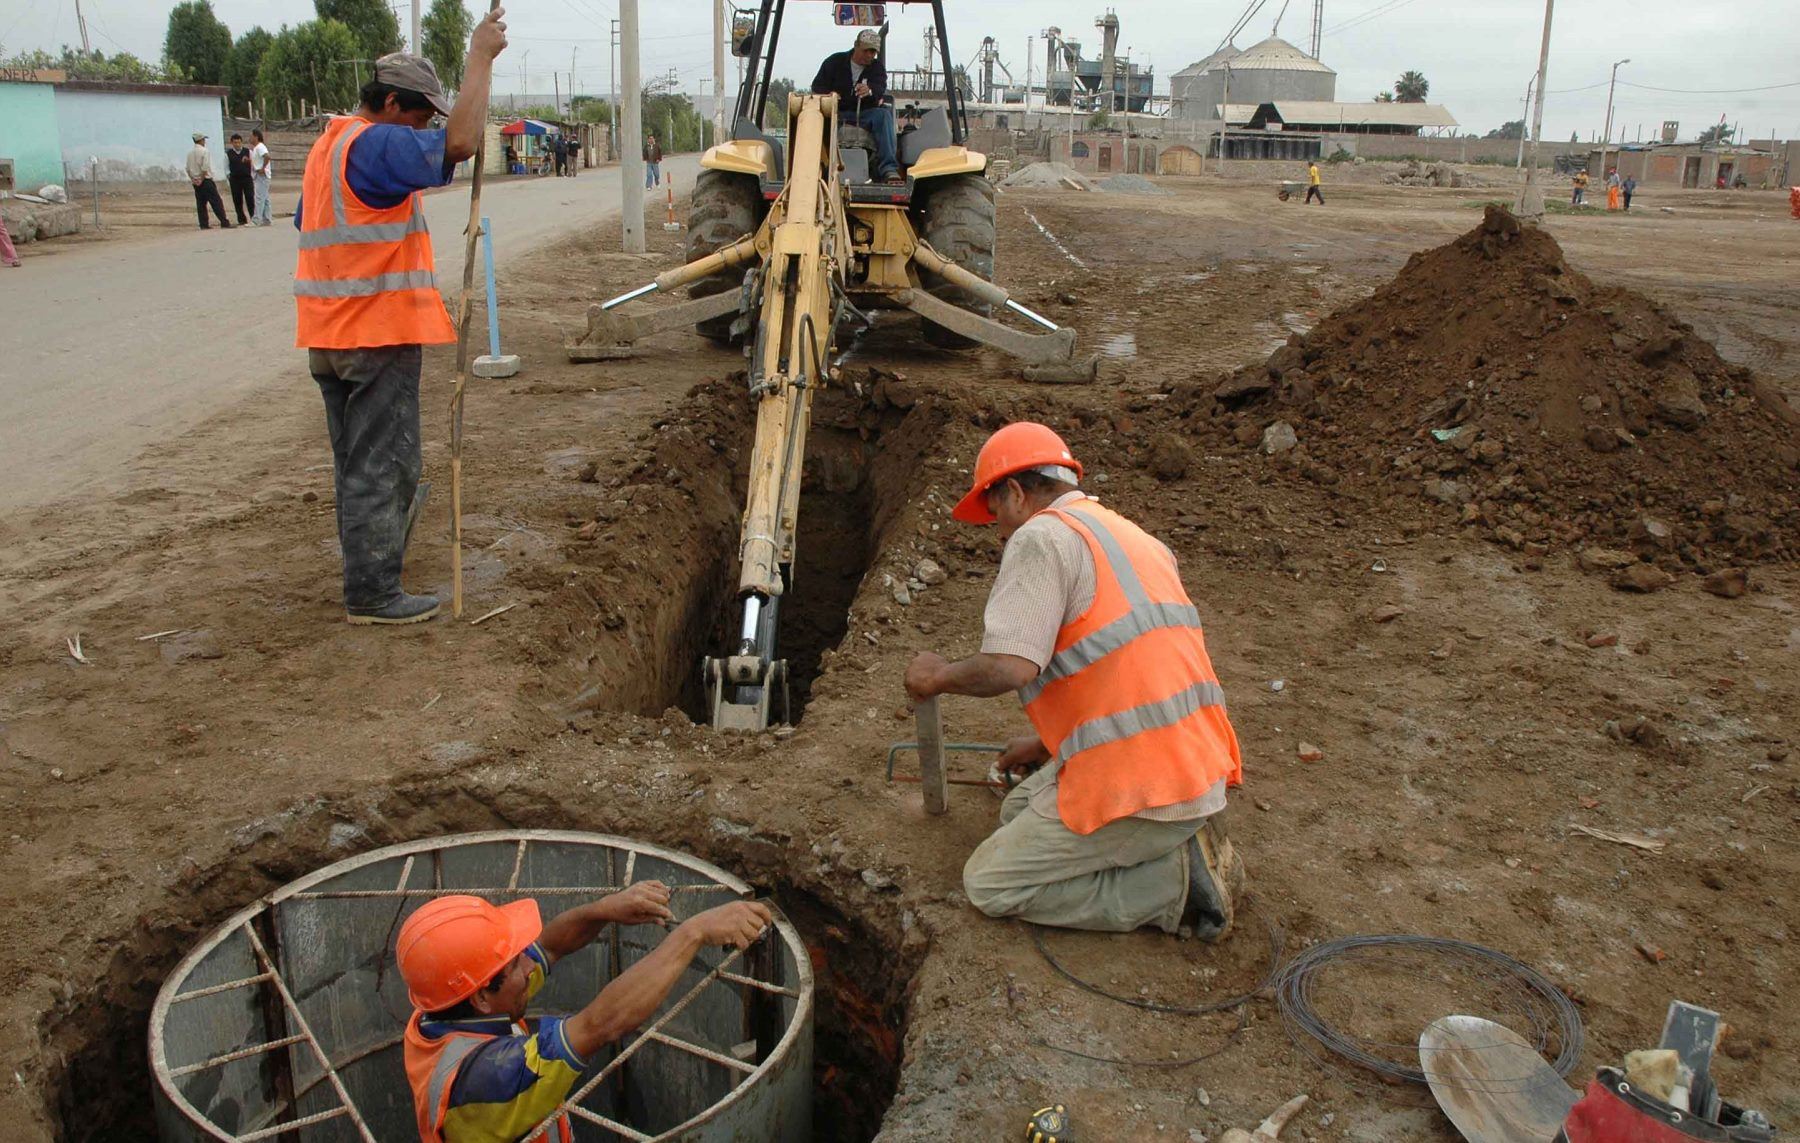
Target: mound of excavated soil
{"type": "Point", "coordinates": [1492, 383]}
{"type": "Point", "coordinates": [1047, 176]}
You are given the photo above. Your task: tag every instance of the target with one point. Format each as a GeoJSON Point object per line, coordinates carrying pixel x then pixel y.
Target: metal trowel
{"type": "Point", "coordinates": [1491, 1084]}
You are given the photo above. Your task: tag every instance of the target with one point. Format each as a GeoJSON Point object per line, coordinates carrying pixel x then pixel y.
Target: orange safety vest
{"type": "Point", "coordinates": [364, 276]}
{"type": "Point", "coordinates": [431, 1066]}
{"type": "Point", "coordinates": [1129, 706]}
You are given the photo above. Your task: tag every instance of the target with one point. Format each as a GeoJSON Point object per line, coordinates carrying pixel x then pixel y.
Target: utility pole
{"type": "Point", "coordinates": [1531, 199]}
{"type": "Point", "coordinates": [1225, 117]}
{"type": "Point", "coordinates": [1524, 114]}
{"type": "Point", "coordinates": [1607, 142]}
{"type": "Point", "coordinates": [415, 28]}
{"type": "Point", "coordinates": [718, 75]}
{"type": "Point", "coordinates": [612, 77]}
{"type": "Point", "coordinates": [81, 22]}
{"type": "Point", "coordinates": [631, 133]}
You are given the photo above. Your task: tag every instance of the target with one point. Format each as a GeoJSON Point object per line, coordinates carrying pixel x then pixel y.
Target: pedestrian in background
{"type": "Point", "coordinates": [1312, 183]}
{"type": "Point", "coordinates": [206, 191]}
{"type": "Point", "coordinates": [1612, 189]}
{"type": "Point", "coordinates": [237, 173]}
{"type": "Point", "coordinates": [7, 254]}
{"type": "Point", "coordinates": [1581, 182]}
{"type": "Point", "coordinates": [574, 155]}
{"type": "Point", "coordinates": [1628, 188]}
{"type": "Point", "coordinates": [652, 162]}
{"type": "Point", "coordinates": [559, 149]}
{"type": "Point", "coordinates": [261, 170]}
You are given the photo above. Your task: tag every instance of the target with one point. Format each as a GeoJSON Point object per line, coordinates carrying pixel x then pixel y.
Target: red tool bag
{"type": "Point", "coordinates": [1613, 1111]}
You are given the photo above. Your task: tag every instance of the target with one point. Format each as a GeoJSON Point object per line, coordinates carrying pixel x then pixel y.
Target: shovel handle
{"type": "Point", "coordinates": [932, 772]}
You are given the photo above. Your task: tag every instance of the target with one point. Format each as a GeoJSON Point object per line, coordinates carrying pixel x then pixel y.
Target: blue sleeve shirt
{"type": "Point", "coordinates": [388, 162]}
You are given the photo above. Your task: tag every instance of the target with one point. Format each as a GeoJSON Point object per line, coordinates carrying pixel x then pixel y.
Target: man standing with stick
{"type": "Point", "coordinates": [368, 300]}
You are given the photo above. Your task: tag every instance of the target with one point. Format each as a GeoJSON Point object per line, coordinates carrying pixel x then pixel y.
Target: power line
{"type": "Point", "coordinates": [1708, 91]}
{"type": "Point", "coordinates": [1365, 17]}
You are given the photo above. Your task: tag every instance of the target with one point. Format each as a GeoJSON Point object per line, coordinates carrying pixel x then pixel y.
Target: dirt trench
{"type": "Point", "coordinates": [648, 590]}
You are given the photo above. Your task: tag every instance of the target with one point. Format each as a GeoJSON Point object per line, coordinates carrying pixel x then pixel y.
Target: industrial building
{"type": "Point", "coordinates": [1263, 73]}
{"type": "Point", "coordinates": [1109, 83]}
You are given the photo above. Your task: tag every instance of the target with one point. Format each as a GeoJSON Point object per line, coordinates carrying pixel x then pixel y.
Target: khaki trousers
{"type": "Point", "coordinates": [1123, 876]}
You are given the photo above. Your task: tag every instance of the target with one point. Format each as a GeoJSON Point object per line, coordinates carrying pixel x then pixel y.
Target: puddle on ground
{"type": "Point", "coordinates": [1119, 345]}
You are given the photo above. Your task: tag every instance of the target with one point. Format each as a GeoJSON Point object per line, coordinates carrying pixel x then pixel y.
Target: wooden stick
{"type": "Point", "coordinates": [933, 778]}
{"type": "Point", "coordinates": [463, 308]}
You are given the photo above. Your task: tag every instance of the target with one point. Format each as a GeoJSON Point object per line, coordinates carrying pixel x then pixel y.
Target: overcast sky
{"type": "Point", "coordinates": [1478, 54]}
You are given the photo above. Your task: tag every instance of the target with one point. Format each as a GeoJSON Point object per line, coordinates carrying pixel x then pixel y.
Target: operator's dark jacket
{"type": "Point", "coordinates": [834, 75]}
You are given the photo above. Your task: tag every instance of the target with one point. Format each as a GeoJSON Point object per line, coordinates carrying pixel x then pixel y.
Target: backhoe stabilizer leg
{"type": "Point", "coordinates": [611, 334]}
{"type": "Point", "coordinates": [1047, 356]}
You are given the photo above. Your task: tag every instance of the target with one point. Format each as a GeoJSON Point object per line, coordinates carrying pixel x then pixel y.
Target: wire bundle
{"type": "Point", "coordinates": [1527, 1000]}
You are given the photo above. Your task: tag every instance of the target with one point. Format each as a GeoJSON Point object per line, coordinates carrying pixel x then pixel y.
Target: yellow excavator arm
{"type": "Point", "coordinates": [790, 359]}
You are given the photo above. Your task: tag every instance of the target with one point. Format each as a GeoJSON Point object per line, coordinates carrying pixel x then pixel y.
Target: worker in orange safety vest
{"type": "Point", "coordinates": [1118, 824]}
{"type": "Point", "coordinates": [480, 1071]}
{"type": "Point", "coordinates": [365, 290]}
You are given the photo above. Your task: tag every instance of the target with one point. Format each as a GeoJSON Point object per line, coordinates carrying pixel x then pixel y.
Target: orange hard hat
{"type": "Point", "coordinates": [1014, 448]}
{"type": "Point", "coordinates": [454, 945]}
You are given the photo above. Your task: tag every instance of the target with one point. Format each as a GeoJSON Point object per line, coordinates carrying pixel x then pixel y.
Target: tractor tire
{"type": "Point", "coordinates": [957, 219]}
{"type": "Point", "coordinates": [726, 206]}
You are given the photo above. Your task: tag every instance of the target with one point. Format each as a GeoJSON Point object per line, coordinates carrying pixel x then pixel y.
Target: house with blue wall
{"type": "Point", "coordinates": [138, 132]}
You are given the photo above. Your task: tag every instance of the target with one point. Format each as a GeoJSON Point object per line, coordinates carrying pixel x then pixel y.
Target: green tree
{"type": "Point", "coordinates": [1384, 97]}
{"type": "Point", "coordinates": [95, 65]}
{"type": "Point", "coordinates": [240, 68]}
{"type": "Point", "coordinates": [591, 109]}
{"type": "Point", "coordinates": [445, 31]}
{"type": "Point", "coordinates": [373, 25]}
{"type": "Point", "coordinates": [775, 113]}
{"type": "Point", "coordinates": [1716, 134]}
{"type": "Point", "coordinates": [1411, 87]}
{"type": "Point", "coordinates": [307, 62]}
{"type": "Point", "coordinates": [196, 42]}
{"type": "Point", "coordinates": [1514, 129]}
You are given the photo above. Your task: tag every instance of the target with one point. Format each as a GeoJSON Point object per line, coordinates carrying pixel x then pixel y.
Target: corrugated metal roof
{"type": "Point", "coordinates": [1276, 54]}
{"type": "Point", "coordinates": [1228, 52]}
{"type": "Point", "coordinates": [1371, 114]}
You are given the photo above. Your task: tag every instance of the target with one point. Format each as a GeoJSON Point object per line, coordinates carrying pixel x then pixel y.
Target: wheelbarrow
{"type": "Point", "coordinates": [1288, 189]}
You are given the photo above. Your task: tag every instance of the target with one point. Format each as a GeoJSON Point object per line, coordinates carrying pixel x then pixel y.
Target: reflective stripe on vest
{"type": "Point", "coordinates": [437, 1089]}
{"type": "Point", "coordinates": [1132, 666]}
{"type": "Point", "coordinates": [365, 275]}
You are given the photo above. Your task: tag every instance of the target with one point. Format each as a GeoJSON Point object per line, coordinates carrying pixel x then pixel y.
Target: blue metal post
{"type": "Point", "coordinates": [493, 309]}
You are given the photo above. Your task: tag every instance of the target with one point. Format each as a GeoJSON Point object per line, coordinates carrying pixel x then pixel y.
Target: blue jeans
{"type": "Point", "coordinates": [652, 175]}
{"type": "Point", "coordinates": [879, 122]}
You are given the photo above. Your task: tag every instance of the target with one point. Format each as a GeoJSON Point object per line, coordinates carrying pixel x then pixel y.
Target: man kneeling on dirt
{"type": "Point", "coordinates": [1089, 623]}
{"type": "Point", "coordinates": [480, 1072]}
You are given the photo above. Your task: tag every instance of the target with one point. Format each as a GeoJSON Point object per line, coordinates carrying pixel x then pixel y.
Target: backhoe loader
{"type": "Point", "coordinates": [786, 240]}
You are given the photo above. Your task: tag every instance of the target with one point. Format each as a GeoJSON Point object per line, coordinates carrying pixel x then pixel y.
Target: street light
{"type": "Point", "coordinates": [1606, 140]}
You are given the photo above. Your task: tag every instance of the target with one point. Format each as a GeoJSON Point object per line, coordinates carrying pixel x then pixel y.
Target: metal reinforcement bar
{"type": "Point", "coordinates": [306, 1033]}
{"type": "Point", "coordinates": [240, 1054]}
{"type": "Point", "coordinates": [735, 1065]}
{"type": "Point", "coordinates": [645, 1037]}
{"type": "Point", "coordinates": [614, 1126]}
{"type": "Point", "coordinates": [551, 891]}
{"type": "Point", "coordinates": [218, 988]}
{"type": "Point", "coordinates": [720, 973]}
{"type": "Point", "coordinates": [293, 1124]}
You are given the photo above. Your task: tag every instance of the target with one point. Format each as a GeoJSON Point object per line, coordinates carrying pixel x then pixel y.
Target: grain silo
{"type": "Point", "coordinates": [1197, 89]}
{"type": "Point", "coordinates": [1275, 70]}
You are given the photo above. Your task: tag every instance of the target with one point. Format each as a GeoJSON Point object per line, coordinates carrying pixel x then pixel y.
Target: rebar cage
{"type": "Point", "coordinates": [286, 1021]}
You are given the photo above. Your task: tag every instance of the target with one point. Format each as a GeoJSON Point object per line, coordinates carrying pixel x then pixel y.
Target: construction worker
{"type": "Point", "coordinates": [1313, 182]}
{"type": "Point", "coordinates": [1581, 185]}
{"type": "Point", "coordinates": [1118, 824]}
{"type": "Point", "coordinates": [368, 300]}
{"type": "Point", "coordinates": [480, 1072]}
{"type": "Point", "coordinates": [860, 81]}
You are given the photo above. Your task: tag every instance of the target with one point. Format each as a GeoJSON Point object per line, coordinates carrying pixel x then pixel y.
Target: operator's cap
{"type": "Point", "coordinates": [412, 73]}
{"type": "Point", "coordinates": [199, 136]}
{"type": "Point", "coordinates": [869, 38]}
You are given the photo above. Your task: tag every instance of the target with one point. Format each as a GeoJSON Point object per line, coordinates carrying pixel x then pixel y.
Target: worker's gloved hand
{"type": "Point", "coordinates": [1022, 756]}
{"type": "Point", "coordinates": [489, 38]}
{"type": "Point", "coordinates": [739, 923]}
{"type": "Point", "coordinates": [642, 903]}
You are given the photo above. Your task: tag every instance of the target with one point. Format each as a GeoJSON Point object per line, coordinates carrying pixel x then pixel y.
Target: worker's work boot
{"type": "Point", "coordinates": [1215, 878]}
{"type": "Point", "coordinates": [404, 609]}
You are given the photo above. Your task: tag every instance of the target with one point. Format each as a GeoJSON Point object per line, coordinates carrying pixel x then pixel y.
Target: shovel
{"type": "Point", "coordinates": [1491, 1084]}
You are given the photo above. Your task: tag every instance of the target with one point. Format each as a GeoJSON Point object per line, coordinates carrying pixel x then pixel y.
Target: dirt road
{"type": "Point", "coordinates": [109, 348]}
